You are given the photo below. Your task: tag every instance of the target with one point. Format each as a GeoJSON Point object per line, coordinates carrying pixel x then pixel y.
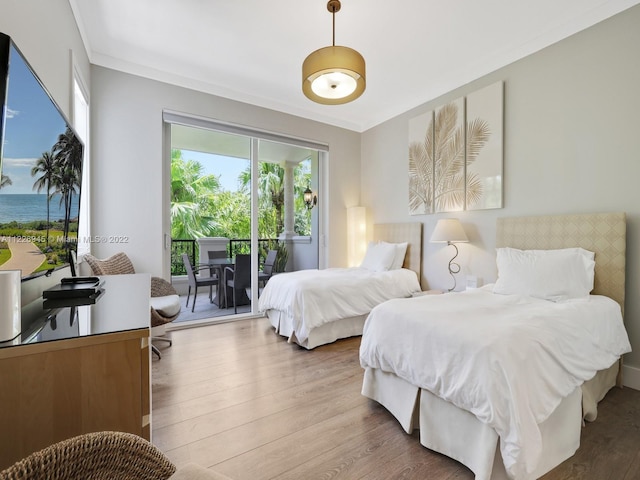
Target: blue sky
{"type": "Point", "coordinates": [226, 168]}
{"type": "Point", "coordinates": [33, 124]}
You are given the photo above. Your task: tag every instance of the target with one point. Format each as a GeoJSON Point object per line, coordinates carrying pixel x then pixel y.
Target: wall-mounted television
{"type": "Point", "coordinates": [41, 172]}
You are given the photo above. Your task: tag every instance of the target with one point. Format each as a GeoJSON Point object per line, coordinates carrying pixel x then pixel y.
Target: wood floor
{"type": "Point", "coordinates": [237, 398]}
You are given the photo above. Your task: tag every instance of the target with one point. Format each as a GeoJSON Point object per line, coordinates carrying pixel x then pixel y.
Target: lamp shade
{"type": "Point", "coordinates": [448, 230]}
{"type": "Point", "coordinates": [333, 75]}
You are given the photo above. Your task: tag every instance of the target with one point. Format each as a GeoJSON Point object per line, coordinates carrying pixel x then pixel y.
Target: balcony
{"type": "Point", "coordinates": [197, 252]}
{"type": "Point", "coordinates": [232, 246]}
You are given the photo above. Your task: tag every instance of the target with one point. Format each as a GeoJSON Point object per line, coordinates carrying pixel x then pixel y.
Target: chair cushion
{"type": "Point", "coordinates": [167, 306]}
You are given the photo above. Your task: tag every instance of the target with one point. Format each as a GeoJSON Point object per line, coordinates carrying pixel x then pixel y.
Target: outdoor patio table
{"type": "Point", "coordinates": [219, 264]}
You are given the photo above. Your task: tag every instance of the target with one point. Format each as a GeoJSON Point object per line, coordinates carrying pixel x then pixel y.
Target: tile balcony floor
{"type": "Point", "coordinates": [204, 309]}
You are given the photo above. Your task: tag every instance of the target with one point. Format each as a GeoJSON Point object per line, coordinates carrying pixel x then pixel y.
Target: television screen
{"type": "Point", "coordinates": [41, 172]}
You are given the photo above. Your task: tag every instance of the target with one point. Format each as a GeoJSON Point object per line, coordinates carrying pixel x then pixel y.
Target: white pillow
{"type": "Point", "coordinates": [554, 275]}
{"type": "Point", "coordinates": [398, 259]}
{"type": "Point", "coordinates": [379, 256]}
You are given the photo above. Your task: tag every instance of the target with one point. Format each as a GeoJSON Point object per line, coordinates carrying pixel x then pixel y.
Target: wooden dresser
{"type": "Point", "coordinates": [78, 369]}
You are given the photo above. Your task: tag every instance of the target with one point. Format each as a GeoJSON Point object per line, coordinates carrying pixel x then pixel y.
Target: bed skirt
{"type": "Point", "coordinates": [327, 333]}
{"type": "Point", "coordinates": [450, 430]}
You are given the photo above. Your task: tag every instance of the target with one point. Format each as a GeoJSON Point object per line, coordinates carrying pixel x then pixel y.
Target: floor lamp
{"type": "Point", "coordinates": [356, 235]}
{"type": "Point", "coordinates": [450, 231]}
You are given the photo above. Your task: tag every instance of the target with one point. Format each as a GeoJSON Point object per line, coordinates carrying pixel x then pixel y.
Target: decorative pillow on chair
{"type": "Point", "coordinates": [554, 275]}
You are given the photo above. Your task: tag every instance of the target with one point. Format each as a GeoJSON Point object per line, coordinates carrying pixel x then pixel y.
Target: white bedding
{"type": "Point", "coordinates": [508, 359]}
{"type": "Point", "coordinates": [312, 298]}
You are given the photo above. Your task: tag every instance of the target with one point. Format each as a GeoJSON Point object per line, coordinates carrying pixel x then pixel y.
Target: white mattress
{"type": "Point", "coordinates": [309, 299]}
{"type": "Point", "coordinates": [509, 360]}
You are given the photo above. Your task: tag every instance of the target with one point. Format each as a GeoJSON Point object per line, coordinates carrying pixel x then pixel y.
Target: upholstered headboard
{"type": "Point", "coordinates": [403, 232]}
{"type": "Point", "coordinates": [602, 233]}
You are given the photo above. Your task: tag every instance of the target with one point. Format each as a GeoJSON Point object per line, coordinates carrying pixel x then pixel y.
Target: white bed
{"type": "Point", "coordinates": [532, 423]}
{"type": "Point", "coordinates": [316, 307]}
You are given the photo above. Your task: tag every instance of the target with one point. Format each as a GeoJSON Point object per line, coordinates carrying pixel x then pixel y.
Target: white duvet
{"type": "Point", "coordinates": [311, 298]}
{"type": "Point", "coordinates": [508, 359]}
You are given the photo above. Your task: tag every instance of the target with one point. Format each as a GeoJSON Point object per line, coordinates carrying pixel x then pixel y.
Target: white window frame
{"type": "Point", "coordinates": [81, 120]}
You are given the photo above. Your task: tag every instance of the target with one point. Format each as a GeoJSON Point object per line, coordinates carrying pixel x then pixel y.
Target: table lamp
{"type": "Point", "coordinates": [450, 231]}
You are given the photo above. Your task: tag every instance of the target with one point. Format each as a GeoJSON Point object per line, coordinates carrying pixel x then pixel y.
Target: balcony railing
{"type": "Point", "coordinates": [178, 247]}
{"type": "Point", "coordinates": [236, 245]}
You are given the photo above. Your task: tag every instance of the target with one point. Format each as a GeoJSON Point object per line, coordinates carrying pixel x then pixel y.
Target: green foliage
{"type": "Point", "coordinates": [281, 258]}
{"type": "Point", "coordinates": [271, 198]}
{"type": "Point", "coordinates": [233, 215]}
{"type": "Point", "coordinates": [193, 199]}
{"type": "Point", "coordinates": [11, 231]}
{"type": "Point", "coordinates": [56, 252]}
{"type": "Point", "coordinates": [5, 253]}
{"type": "Point", "coordinates": [201, 208]}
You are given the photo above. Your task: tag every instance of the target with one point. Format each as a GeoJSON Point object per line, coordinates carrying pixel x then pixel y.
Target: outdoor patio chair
{"type": "Point", "coordinates": [195, 281]}
{"type": "Point", "coordinates": [267, 269]}
{"type": "Point", "coordinates": [238, 277]}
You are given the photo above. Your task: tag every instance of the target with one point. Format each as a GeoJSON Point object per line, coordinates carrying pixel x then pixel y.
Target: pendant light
{"type": "Point", "coordinates": [333, 75]}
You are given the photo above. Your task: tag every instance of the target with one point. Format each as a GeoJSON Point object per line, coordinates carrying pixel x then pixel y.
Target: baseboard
{"type": "Point", "coordinates": [631, 377]}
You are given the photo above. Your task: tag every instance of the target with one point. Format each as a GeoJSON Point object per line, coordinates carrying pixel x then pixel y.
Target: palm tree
{"type": "Point", "coordinates": [302, 180]}
{"type": "Point", "coordinates": [271, 197]}
{"type": "Point", "coordinates": [46, 166]}
{"type": "Point", "coordinates": [5, 181]}
{"type": "Point", "coordinates": [68, 152]}
{"type": "Point", "coordinates": [66, 181]}
{"type": "Point", "coordinates": [192, 198]}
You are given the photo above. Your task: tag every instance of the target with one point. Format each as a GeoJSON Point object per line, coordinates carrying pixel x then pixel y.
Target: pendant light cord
{"type": "Point", "coordinates": [333, 15]}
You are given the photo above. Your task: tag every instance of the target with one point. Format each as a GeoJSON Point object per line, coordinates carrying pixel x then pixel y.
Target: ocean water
{"type": "Point", "coordinates": [28, 207]}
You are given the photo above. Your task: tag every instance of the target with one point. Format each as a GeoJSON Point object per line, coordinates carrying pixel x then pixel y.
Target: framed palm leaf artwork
{"type": "Point", "coordinates": [455, 155]}
{"type": "Point", "coordinates": [421, 164]}
{"type": "Point", "coordinates": [484, 147]}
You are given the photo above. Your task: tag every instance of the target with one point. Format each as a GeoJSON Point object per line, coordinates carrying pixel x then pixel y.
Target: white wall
{"type": "Point", "coordinates": [571, 146]}
{"type": "Point", "coordinates": [128, 185]}
{"type": "Point", "coordinates": [46, 34]}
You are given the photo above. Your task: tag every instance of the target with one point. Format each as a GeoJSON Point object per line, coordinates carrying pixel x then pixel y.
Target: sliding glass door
{"type": "Point", "coordinates": [234, 198]}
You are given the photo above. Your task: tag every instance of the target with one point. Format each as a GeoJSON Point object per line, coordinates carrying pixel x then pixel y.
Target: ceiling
{"type": "Point", "coordinates": [252, 50]}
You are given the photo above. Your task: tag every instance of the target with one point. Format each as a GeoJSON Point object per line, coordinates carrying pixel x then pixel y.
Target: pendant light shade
{"type": "Point", "coordinates": [333, 75]}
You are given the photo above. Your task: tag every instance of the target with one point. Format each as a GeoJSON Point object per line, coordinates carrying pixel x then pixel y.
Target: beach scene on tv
{"type": "Point", "coordinates": [41, 171]}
